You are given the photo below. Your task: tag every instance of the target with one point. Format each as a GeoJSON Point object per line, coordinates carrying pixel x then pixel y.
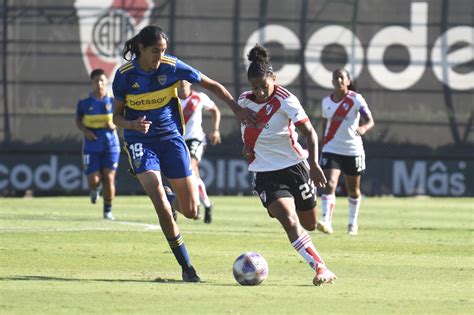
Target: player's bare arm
{"type": "Point", "coordinates": [243, 114]}
{"type": "Point", "coordinates": [316, 173]}
{"type": "Point", "coordinates": [366, 125]}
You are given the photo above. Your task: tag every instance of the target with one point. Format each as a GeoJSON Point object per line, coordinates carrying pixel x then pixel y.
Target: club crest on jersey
{"type": "Point", "coordinates": [108, 107]}
{"type": "Point", "coordinates": [345, 105]}
{"type": "Point", "coordinates": [105, 26]}
{"type": "Point", "coordinates": [268, 109]}
{"type": "Point", "coordinates": [162, 79]}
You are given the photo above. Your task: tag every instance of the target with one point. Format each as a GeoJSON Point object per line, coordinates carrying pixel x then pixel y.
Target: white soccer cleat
{"type": "Point", "coordinates": [325, 227]}
{"type": "Point", "coordinates": [352, 229]}
{"type": "Point", "coordinates": [323, 275]}
{"type": "Point", "coordinates": [108, 216]}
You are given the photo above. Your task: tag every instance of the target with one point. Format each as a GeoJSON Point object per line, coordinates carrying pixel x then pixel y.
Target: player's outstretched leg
{"type": "Point", "coordinates": [181, 253]}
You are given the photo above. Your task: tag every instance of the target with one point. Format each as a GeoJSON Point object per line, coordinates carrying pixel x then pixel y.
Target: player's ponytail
{"type": "Point", "coordinates": [148, 36]}
{"type": "Point", "coordinates": [260, 65]}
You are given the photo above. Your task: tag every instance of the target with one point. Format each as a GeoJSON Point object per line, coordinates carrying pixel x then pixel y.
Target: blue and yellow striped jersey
{"type": "Point", "coordinates": [154, 95]}
{"type": "Point", "coordinates": [95, 113]}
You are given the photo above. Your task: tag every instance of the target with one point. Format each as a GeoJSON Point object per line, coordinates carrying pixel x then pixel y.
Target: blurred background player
{"type": "Point", "coordinates": [147, 107]}
{"type": "Point", "coordinates": [284, 173]}
{"type": "Point", "coordinates": [342, 149]}
{"type": "Point", "coordinates": [192, 104]}
{"type": "Point", "coordinates": [101, 147]}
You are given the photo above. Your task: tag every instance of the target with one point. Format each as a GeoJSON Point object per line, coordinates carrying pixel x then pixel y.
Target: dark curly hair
{"type": "Point", "coordinates": [260, 65]}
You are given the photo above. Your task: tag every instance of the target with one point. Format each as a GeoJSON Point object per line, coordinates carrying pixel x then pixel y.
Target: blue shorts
{"type": "Point", "coordinates": [95, 161]}
{"type": "Point", "coordinates": [170, 157]}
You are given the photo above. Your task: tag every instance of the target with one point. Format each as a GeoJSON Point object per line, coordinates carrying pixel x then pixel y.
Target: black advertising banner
{"type": "Point", "coordinates": [50, 174]}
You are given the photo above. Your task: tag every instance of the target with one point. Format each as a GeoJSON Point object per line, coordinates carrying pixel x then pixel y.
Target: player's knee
{"type": "Point", "coordinates": [309, 226]}
{"type": "Point", "coordinates": [190, 212]}
{"type": "Point", "coordinates": [289, 223]}
{"type": "Point", "coordinates": [354, 193]}
{"type": "Point", "coordinates": [332, 183]}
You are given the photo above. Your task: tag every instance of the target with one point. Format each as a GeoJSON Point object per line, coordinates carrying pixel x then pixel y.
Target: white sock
{"type": "Point", "coordinates": [305, 247]}
{"type": "Point", "coordinates": [354, 206]}
{"type": "Point", "coordinates": [203, 197]}
{"type": "Point", "coordinates": [328, 204]}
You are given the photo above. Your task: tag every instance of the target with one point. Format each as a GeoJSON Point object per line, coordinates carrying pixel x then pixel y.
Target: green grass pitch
{"type": "Point", "coordinates": [412, 255]}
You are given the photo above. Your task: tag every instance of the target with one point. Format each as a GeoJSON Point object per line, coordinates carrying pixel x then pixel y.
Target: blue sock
{"type": "Point", "coordinates": [180, 251]}
{"type": "Point", "coordinates": [107, 206]}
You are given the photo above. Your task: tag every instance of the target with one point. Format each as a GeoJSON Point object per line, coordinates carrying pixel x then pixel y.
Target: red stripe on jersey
{"type": "Point", "coordinates": [293, 140]}
{"type": "Point", "coordinates": [338, 117]}
{"type": "Point", "coordinates": [245, 95]}
{"type": "Point", "coordinates": [302, 121]}
{"type": "Point", "coordinates": [281, 91]}
{"type": "Point", "coordinates": [191, 105]}
{"type": "Point", "coordinates": [264, 115]}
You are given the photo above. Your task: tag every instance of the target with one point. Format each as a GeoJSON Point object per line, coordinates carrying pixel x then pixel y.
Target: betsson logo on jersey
{"type": "Point", "coordinates": [450, 50]}
{"type": "Point", "coordinates": [152, 100]}
{"type": "Point", "coordinates": [146, 102]}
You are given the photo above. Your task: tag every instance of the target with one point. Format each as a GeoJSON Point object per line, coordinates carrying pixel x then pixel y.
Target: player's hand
{"type": "Point", "coordinates": [141, 124]}
{"type": "Point", "coordinates": [110, 125]}
{"type": "Point", "coordinates": [360, 131]}
{"type": "Point", "coordinates": [247, 152]}
{"type": "Point", "coordinates": [249, 117]}
{"type": "Point", "coordinates": [216, 137]}
{"type": "Point", "coordinates": [317, 175]}
{"type": "Point", "coordinates": [90, 135]}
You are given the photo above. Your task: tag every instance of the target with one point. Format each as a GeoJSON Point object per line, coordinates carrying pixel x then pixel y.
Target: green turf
{"type": "Point", "coordinates": [413, 255]}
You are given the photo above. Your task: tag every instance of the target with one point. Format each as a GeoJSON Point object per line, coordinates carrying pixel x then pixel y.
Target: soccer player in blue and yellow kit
{"type": "Point", "coordinates": [148, 108]}
{"type": "Point", "coordinates": [101, 146]}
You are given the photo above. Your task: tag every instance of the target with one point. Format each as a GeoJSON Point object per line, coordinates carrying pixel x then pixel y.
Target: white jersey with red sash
{"type": "Point", "coordinates": [274, 140]}
{"type": "Point", "coordinates": [192, 111]}
{"type": "Point", "coordinates": [342, 122]}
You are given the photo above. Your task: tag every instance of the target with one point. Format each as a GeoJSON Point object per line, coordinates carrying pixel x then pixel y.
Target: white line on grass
{"type": "Point", "coordinates": [112, 227]}
{"type": "Point", "coordinates": [145, 225]}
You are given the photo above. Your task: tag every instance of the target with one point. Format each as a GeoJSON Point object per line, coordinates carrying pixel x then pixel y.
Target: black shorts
{"type": "Point", "coordinates": [349, 165]}
{"type": "Point", "coordinates": [196, 148]}
{"type": "Point", "coordinates": [293, 181]}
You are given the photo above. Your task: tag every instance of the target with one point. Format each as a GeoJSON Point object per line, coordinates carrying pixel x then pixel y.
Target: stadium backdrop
{"type": "Point", "coordinates": [412, 60]}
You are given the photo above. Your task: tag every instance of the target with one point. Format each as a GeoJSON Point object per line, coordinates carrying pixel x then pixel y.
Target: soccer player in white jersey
{"type": "Point", "coordinates": [284, 173]}
{"type": "Point", "coordinates": [342, 149]}
{"type": "Point", "coordinates": [192, 104]}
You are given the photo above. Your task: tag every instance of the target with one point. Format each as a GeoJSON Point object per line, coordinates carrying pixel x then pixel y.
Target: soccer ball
{"type": "Point", "coordinates": [250, 268]}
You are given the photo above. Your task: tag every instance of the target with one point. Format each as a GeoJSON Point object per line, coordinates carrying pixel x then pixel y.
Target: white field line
{"type": "Point", "coordinates": [112, 227]}
{"type": "Point", "coordinates": [145, 225]}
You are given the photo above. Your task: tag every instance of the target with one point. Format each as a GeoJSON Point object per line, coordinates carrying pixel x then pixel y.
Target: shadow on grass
{"type": "Point", "coordinates": [48, 278]}
{"type": "Point", "coordinates": [157, 280]}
